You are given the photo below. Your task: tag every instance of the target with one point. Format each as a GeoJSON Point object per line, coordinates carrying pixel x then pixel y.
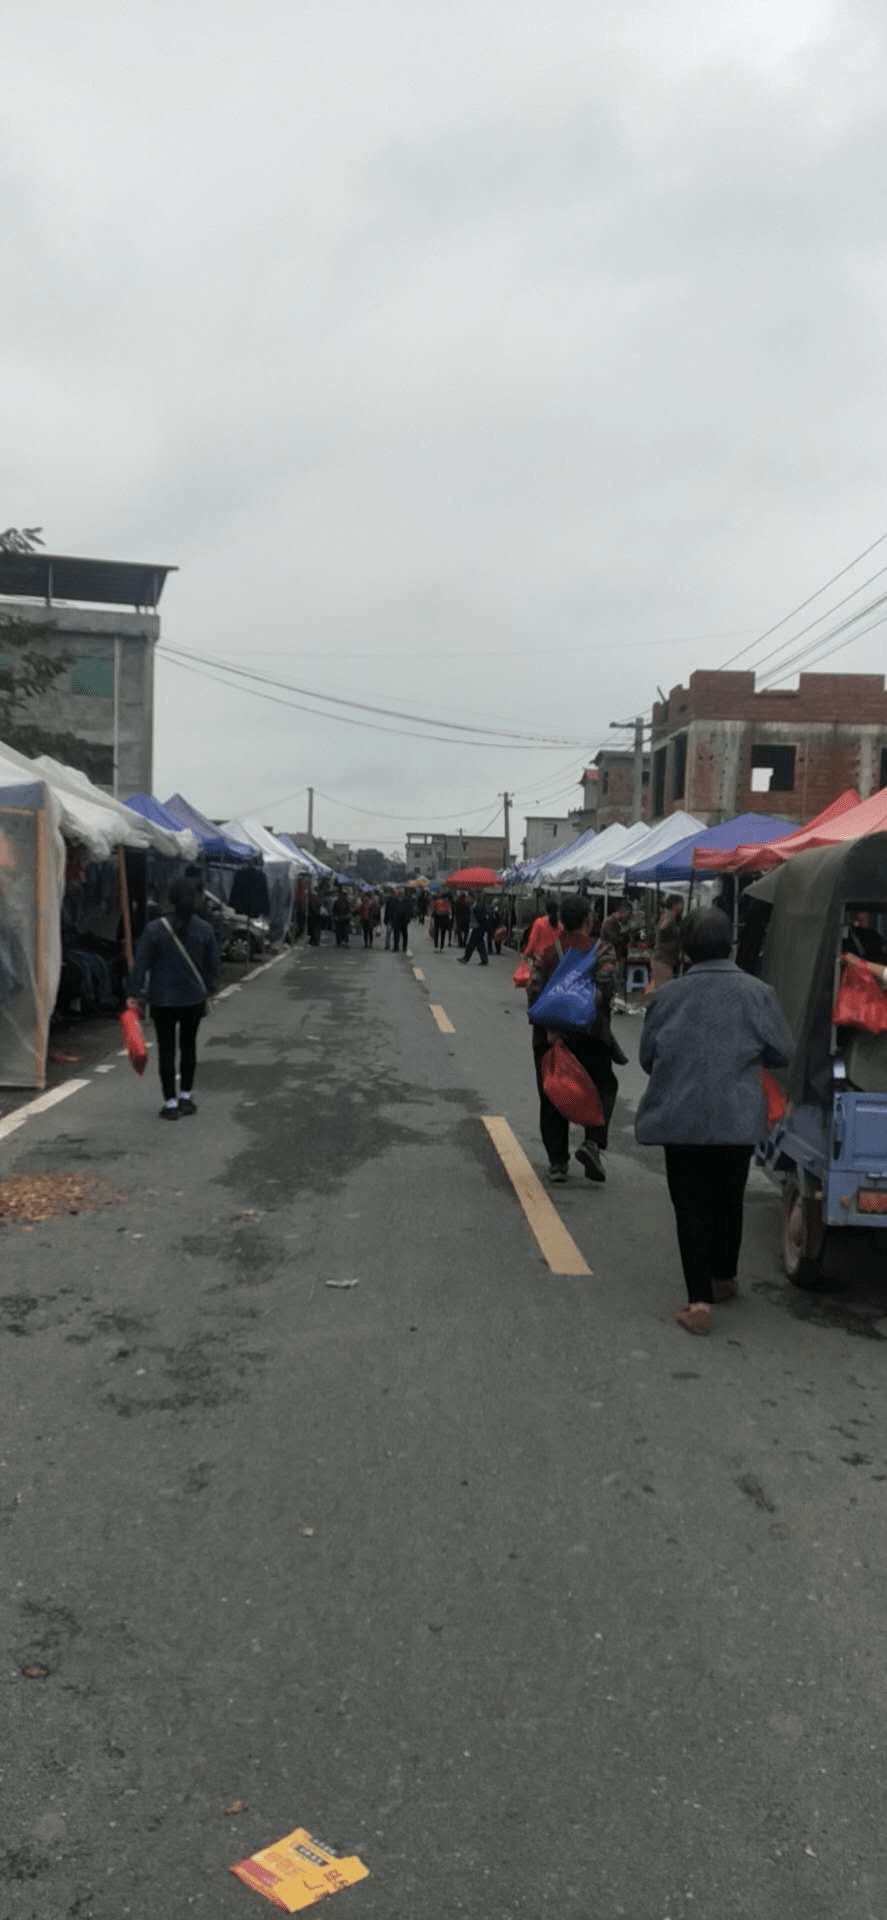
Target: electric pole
{"type": "Point", "coordinates": [637, 772]}
{"type": "Point", "coordinates": [506, 802]}
{"type": "Point", "coordinates": [311, 813]}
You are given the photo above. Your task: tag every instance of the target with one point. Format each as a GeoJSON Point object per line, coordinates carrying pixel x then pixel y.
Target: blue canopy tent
{"type": "Point", "coordinates": [748, 829]}
{"type": "Point", "coordinates": [216, 844]}
{"type": "Point", "coordinates": [148, 808]}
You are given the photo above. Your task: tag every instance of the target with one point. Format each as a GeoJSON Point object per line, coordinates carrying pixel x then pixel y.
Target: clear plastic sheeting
{"type": "Point", "coordinates": [32, 879]}
{"type": "Point", "coordinates": [88, 816]}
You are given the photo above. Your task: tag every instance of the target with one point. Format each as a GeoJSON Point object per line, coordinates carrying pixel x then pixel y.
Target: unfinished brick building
{"type": "Point", "coordinates": [720, 748]}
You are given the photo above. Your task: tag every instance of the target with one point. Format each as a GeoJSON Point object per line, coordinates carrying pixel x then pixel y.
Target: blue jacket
{"type": "Point", "coordinates": [170, 980]}
{"type": "Point", "coordinates": [706, 1037]}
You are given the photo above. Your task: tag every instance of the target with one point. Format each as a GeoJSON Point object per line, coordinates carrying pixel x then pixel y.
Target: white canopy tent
{"type": "Point", "coordinates": [89, 817]}
{"type": "Point", "coordinates": [659, 839]}
{"type": "Point", "coordinates": [592, 862]}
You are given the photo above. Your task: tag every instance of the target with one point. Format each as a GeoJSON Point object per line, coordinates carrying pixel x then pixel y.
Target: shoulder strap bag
{"type": "Point", "coordinates": [188, 960]}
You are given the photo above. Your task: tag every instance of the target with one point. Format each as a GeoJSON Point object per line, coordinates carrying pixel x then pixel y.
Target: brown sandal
{"type": "Point", "coordinates": [694, 1319]}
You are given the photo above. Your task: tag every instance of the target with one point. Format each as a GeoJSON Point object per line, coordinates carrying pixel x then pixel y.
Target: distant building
{"type": "Point", "coordinates": [436, 854]}
{"type": "Point", "coordinates": [720, 748]}
{"type": "Point", "coordinates": [77, 640]}
{"type": "Point", "coordinates": [607, 788]}
{"type": "Point", "coordinates": [546, 831]}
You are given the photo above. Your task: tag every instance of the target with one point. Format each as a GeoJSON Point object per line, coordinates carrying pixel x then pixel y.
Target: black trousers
{"type": "Point", "coordinates": [187, 1019]}
{"type": "Point", "coordinates": [442, 926]}
{"type": "Point", "coordinates": [595, 1057]}
{"type": "Point", "coordinates": [707, 1188]}
{"type": "Point", "coordinates": [367, 926]}
{"type": "Point", "coordinates": [476, 944]}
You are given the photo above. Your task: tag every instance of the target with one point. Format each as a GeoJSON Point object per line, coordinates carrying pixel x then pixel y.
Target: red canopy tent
{"type": "Point", "coordinates": [840, 820]}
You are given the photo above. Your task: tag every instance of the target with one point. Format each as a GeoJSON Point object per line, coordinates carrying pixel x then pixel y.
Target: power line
{"type": "Point", "coordinates": [835, 608]}
{"type": "Point", "coordinates": [183, 655]}
{"type": "Point", "coordinates": [804, 604]}
{"type": "Point", "coordinates": [202, 671]}
{"type": "Point", "coordinates": [787, 670]}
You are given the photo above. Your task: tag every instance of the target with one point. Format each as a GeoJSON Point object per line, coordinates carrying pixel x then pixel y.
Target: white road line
{"type": "Point", "coordinates": [41, 1105]}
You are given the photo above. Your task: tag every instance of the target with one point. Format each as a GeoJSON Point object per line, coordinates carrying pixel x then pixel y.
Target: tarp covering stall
{"type": "Point", "coordinates": [87, 815]}
{"type": "Point", "coordinates": [708, 849]}
{"type": "Point", "coordinates": [661, 840]}
{"type": "Point", "coordinates": [281, 867]}
{"type": "Point", "coordinates": [847, 818]}
{"type": "Point", "coordinates": [592, 863]}
{"type": "Point", "coordinates": [216, 844]}
{"type": "Point", "coordinates": [312, 864]}
{"type": "Point", "coordinates": [32, 881]}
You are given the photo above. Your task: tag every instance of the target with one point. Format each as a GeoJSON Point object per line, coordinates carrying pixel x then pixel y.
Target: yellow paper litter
{"type": "Point", "coordinates": [298, 1871]}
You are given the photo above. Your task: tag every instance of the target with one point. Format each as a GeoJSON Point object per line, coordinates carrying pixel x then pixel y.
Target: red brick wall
{"type": "Point", "coordinates": [854, 698]}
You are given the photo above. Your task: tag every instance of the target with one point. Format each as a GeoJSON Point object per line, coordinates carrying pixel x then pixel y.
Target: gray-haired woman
{"type": "Point", "coordinates": [707, 1034]}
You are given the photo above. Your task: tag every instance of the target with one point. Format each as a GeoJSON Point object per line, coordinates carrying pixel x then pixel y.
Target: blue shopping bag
{"type": "Point", "coordinates": [568, 1001]}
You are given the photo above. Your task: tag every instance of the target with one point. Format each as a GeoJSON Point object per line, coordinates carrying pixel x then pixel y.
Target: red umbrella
{"type": "Point", "coordinates": [473, 877]}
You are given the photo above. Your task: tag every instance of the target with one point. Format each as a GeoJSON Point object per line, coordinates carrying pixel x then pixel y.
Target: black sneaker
{"type": "Point", "coordinates": [186, 1105]}
{"type": "Point", "coordinates": [589, 1157]}
{"type": "Point", "coordinates": [557, 1176]}
{"type": "Point", "coordinates": [169, 1113]}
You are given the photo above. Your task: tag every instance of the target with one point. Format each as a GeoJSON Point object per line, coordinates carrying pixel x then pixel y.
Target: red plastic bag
{"type": "Point", "coordinates": [134, 1039]}
{"type": "Point", "coordinates": [861, 1002]}
{"type": "Point", "coordinates": [570, 1088]}
{"type": "Point", "coordinates": [521, 974]}
{"type": "Point", "coordinates": [775, 1098]}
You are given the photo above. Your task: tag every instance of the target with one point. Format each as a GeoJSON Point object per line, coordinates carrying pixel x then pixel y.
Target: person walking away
{"type": "Point", "coordinates": [402, 917]}
{"type": "Point", "coordinates": [707, 1034]}
{"type": "Point", "coordinates": [544, 933]}
{"type": "Point", "coordinates": [315, 920]}
{"type": "Point", "coordinates": [369, 914]}
{"type": "Point", "coordinates": [668, 950]}
{"type": "Point", "coordinates": [441, 920]}
{"type": "Point", "coordinates": [178, 959]}
{"type": "Point", "coordinates": [341, 917]}
{"type": "Point", "coordinates": [461, 915]}
{"type": "Point", "coordinates": [389, 917]}
{"type": "Point", "coordinates": [593, 1050]}
{"type": "Point", "coordinates": [477, 937]}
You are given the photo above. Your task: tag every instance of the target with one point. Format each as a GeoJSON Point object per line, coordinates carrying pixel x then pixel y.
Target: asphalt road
{"type": "Point", "coordinates": [495, 1578]}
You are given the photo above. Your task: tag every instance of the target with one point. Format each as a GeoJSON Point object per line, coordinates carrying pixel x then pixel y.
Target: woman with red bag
{"type": "Point", "coordinates": [592, 1050]}
{"type": "Point", "coordinates": [179, 960]}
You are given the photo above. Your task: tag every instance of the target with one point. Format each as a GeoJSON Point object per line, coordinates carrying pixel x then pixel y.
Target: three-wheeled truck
{"type": "Point", "coordinates": [827, 1149]}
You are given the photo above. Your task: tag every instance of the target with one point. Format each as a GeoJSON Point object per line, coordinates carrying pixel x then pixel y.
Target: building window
{"type": "Point", "coordinates": [94, 678]}
{"type": "Point", "coordinates": [882, 777]}
{"type": "Point", "coordinates": [679, 783]}
{"type": "Point", "coordinates": [605, 782]}
{"type": "Point", "coordinates": [659, 759]}
{"type": "Point", "coordinates": [773, 769]}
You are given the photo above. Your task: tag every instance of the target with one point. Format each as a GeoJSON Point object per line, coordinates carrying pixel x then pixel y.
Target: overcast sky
{"type": "Point", "coordinates": [492, 360]}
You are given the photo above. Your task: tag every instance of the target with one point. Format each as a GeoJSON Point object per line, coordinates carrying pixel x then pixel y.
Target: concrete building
{"type": "Point", "coordinates": [607, 787]}
{"type": "Point", "coordinates": [720, 748]}
{"type": "Point", "coordinates": [441, 853]}
{"type": "Point", "coordinates": [544, 832]}
{"type": "Point", "coordinates": [77, 640]}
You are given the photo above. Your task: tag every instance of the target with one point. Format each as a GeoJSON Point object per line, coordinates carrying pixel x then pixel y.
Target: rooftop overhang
{"type": "Point", "coordinates": [54, 577]}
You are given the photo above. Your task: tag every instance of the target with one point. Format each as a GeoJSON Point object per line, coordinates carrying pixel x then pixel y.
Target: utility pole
{"type": "Point", "coordinates": [311, 813]}
{"type": "Point", "coordinates": [506, 802]}
{"type": "Point", "coordinates": [637, 772]}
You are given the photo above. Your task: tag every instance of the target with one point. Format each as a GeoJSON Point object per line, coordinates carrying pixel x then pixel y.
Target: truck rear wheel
{"type": "Point", "coordinates": [803, 1234]}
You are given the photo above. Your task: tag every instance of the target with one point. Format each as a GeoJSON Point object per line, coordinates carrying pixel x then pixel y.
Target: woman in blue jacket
{"type": "Point", "coordinates": [179, 960]}
{"type": "Point", "coordinates": [707, 1034]}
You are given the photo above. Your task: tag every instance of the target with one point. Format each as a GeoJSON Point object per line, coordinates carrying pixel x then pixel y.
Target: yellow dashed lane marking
{"type": "Point", "coordinates": [441, 1021]}
{"type": "Point", "coordinates": [555, 1244]}
{"type": "Point", "coordinates": [418, 973]}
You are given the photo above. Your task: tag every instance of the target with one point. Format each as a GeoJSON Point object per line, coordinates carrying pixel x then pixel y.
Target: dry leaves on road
{"type": "Point", "coordinates": [37, 1196]}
